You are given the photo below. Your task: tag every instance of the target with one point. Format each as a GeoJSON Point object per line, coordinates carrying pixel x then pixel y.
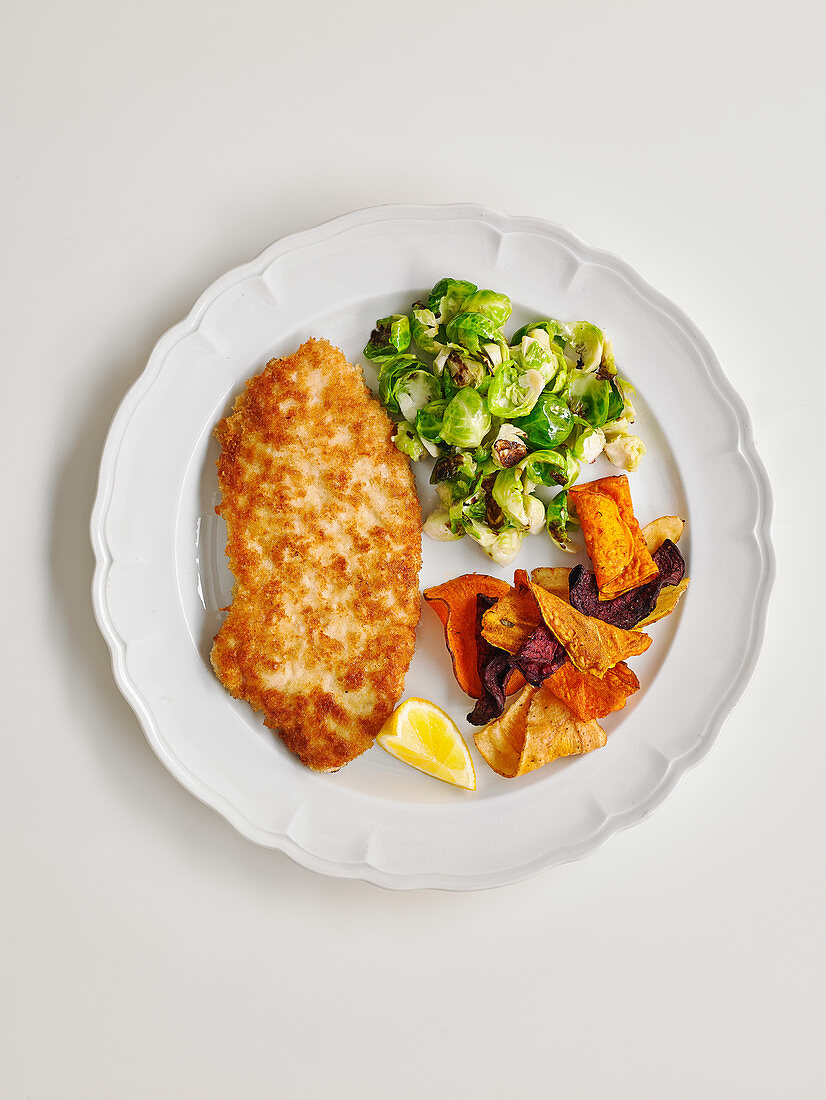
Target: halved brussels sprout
{"type": "Point", "coordinates": [390, 337]}
{"type": "Point", "coordinates": [625, 451]}
{"type": "Point", "coordinates": [413, 390]}
{"type": "Point", "coordinates": [558, 519]}
{"type": "Point", "coordinates": [551, 327]}
{"type": "Point", "coordinates": [407, 440]}
{"type": "Point", "coordinates": [607, 366]}
{"type": "Point", "coordinates": [512, 492]}
{"type": "Point", "coordinates": [584, 342]}
{"type": "Point", "coordinates": [463, 370]}
{"type": "Point", "coordinates": [391, 373]}
{"type": "Point", "coordinates": [448, 467]}
{"type": "Point", "coordinates": [496, 307]}
{"type": "Point", "coordinates": [448, 297]}
{"type": "Point", "coordinates": [588, 397]}
{"type": "Point", "coordinates": [551, 468]}
{"type": "Point", "coordinates": [588, 444]}
{"type": "Point", "coordinates": [466, 420]}
{"type": "Point", "coordinates": [513, 392]}
{"type": "Point", "coordinates": [429, 425]}
{"type": "Point", "coordinates": [438, 526]}
{"type": "Point", "coordinates": [509, 447]}
{"type": "Point", "coordinates": [424, 328]}
{"type": "Point", "coordinates": [471, 330]}
{"type": "Point", "coordinates": [549, 422]}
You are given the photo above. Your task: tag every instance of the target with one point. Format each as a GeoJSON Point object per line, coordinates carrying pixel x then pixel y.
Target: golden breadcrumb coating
{"type": "Point", "coordinates": [324, 542]}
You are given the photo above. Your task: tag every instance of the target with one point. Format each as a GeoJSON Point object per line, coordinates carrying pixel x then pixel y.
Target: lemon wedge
{"type": "Point", "coordinates": [420, 734]}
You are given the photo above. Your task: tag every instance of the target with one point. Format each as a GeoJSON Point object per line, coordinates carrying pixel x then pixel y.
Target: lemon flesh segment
{"type": "Point", "coordinates": [420, 734]}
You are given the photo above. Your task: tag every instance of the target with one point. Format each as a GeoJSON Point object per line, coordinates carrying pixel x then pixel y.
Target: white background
{"type": "Point", "coordinates": [146, 950]}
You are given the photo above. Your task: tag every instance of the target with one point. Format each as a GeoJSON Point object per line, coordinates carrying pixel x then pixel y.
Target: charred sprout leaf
{"type": "Point", "coordinates": [471, 330]}
{"type": "Point", "coordinates": [389, 338]}
{"type": "Point", "coordinates": [558, 521]}
{"type": "Point", "coordinates": [509, 447]}
{"type": "Point", "coordinates": [448, 466]}
{"type": "Point", "coordinates": [464, 371]}
{"type": "Point", "coordinates": [549, 422]}
{"type": "Point", "coordinates": [448, 297]}
{"type": "Point", "coordinates": [407, 440]}
{"type": "Point", "coordinates": [466, 419]}
{"type": "Point", "coordinates": [496, 307]}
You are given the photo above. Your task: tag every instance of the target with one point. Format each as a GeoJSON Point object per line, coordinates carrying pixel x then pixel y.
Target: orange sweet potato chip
{"type": "Point", "coordinates": [455, 604]}
{"type": "Point", "coordinates": [591, 644]}
{"type": "Point", "coordinates": [590, 696]}
{"type": "Point", "coordinates": [537, 729]}
{"type": "Point", "coordinates": [612, 535]}
{"type": "Point", "coordinates": [514, 616]}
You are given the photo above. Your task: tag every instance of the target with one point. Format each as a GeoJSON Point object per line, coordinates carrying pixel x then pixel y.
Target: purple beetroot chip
{"type": "Point", "coordinates": [631, 607]}
{"type": "Point", "coordinates": [539, 657]}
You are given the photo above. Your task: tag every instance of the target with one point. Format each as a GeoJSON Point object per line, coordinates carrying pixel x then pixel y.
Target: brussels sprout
{"type": "Point", "coordinates": [509, 447]}
{"type": "Point", "coordinates": [463, 370]}
{"type": "Point", "coordinates": [450, 466]}
{"type": "Point", "coordinates": [584, 342]}
{"type": "Point", "coordinates": [552, 328]}
{"type": "Point", "coordinates": [496, 307]}
{"type": "Point", "coordinates": [588, 444]}
{"type": "Point", "coordinates": [471, 330]}
{"type": "Point", "coordinates": [551, 468]}
{"type": "Point", "coordinates": [505, 547]}
{"type": "Point", "coordinates": [437, 526]}
{"type": "Point", "coordinates": [588, 397]}
{"type": "Point", "coordinates": [429, 423]}
{"type": "Point", "coordinates": [558, 519]}
{"type": "Point", "coordinates": [448, 297]}
{"type": "Point", "coordinates": [424, 329]}
{"type": "Point", "coordinates": [466, 420]}
{"type": "Point", "coordinates": [391, 373]}
{"type": "Point", "coordinates": [413, 390]}
{"type": "Point", "coordinates": [549, 422]}
{"type": "Point", "coordinates": [390, 337]}
{"type": "Point", "coordinates": [512, 494]}
{"type": "Point", "coordinates": [513, 393]}
{"type": "Point", "coordinates": [407, 440]}
{"type": "Point", "coordinates": [616, 402]}
{"type": "Point", "coordinates": [625, 451]}
{"type": "Point", "coordinates": [607, 366]}
{"type": "Point", "coordinates": [537, 352]}
{"type": "Point", "coordinates": [495, 353]}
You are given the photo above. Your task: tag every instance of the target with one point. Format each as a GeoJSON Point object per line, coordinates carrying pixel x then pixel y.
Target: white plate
{"type": "Point", "coordinates": [161, 576]}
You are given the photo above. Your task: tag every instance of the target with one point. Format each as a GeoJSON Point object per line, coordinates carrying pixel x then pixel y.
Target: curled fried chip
{"type": "Point", "coordinates": [590, 696]}
{"type": "Point", "coordinates": [514, 616]}
{"type": "Point", "coordinates": [501, 742]}
{"type": "Point", "coordinates": [666, 602]}
{"type": "Point", "coordinates": [455, 604]}
{"type": "Point", "coordinates": [658, 530]}
{"type": "Point", "coordinates": [635, 606]}
{"type": "Point", "coordinates": [496, 674]}
{"type": "Point", "coordinates": [537, 729]}
{"type": "Point", "coordinates": [612, 535]}
{"type": "Point", "coordinates": [591, 644]}
{"type": "Point", "coordinates": [555, 580]}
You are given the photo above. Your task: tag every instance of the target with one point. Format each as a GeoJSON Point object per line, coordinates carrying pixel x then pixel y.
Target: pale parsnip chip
{"type": "Point", "coordinates": [658, 530]}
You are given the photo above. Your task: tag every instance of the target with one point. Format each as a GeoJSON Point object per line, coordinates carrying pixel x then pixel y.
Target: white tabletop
{"type": "Point", "coordinates": [147, 949]}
